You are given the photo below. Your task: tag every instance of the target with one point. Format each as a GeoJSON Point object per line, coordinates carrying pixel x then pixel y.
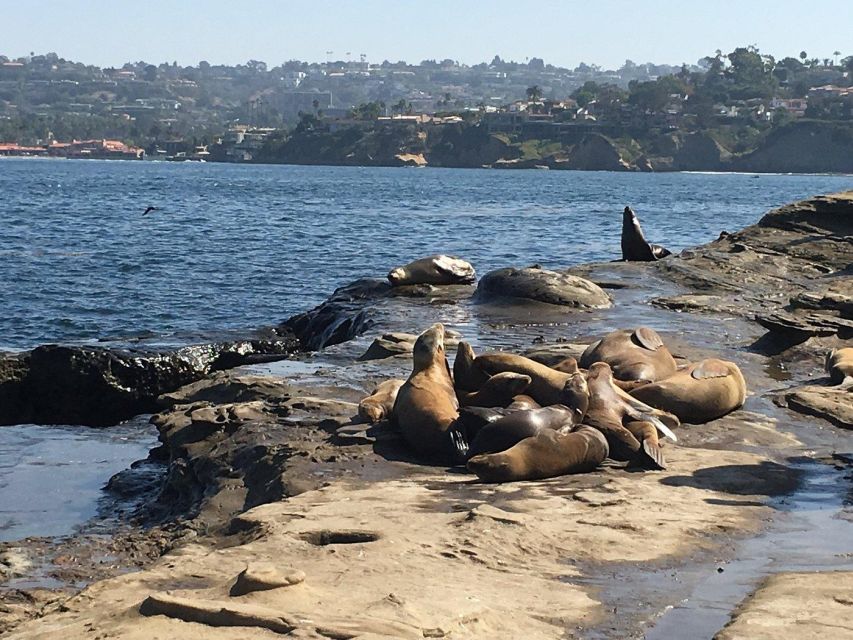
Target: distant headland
{"type": "Point", "coordinates": [742, 111]}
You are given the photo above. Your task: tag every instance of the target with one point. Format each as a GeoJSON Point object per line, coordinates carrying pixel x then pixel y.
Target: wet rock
{"type": "Point", "coordinates": [393, 344]}
{"type": "Point", "coordinates": [346, 314]}
{"type": "Point", "coordinates": [100, 387]}
{"type": "Point", "coordinates": [541, 285]}
{"type": "Point", "coordinates": [834, 404]}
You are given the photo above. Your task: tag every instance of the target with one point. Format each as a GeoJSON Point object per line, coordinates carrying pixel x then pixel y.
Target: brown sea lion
{"type": "Point", "coordinates": [508, 431]}
{"type": "Point", "coordinates": [466, 377]}
{"type": "Point", "coordinates": [568, 365]}
{"type": "Point", "coordinates": [546, 386]}
{"type": "Point", "coordinates": [839, 364]}
{"type": "Point", "coordinates": [379, 404]}
{"type": "Point", "coordinates": [426, 404]}
{"type": "Point", "coordinates": [497, 391]}
{"type": "Point", "coordinates": [546, 455]}
{"type": "Point", "coordinates": [610, 409]}
{"type": "Point", "coordinates": [633, 355]}
{"type": "Point", "coordinates": [438, 269]}
{"type": "Point", "coordinates": [635, 247]}
{"type": "Point", "coordinates": [698, 393]}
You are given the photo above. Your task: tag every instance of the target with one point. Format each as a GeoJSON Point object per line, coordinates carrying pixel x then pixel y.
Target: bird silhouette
{"type": "Point", "coordinates": [149, 210]}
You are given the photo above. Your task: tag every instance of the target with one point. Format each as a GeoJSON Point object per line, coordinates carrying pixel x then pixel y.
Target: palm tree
{"type": "Point", "coordinates": [534, 93]}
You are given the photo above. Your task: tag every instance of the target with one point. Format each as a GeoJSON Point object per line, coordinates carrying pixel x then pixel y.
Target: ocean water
{"type": "Point", "coordinates": [235, 246]}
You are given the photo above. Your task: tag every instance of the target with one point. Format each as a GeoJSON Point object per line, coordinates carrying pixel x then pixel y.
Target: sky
{"type": "Point", "coordinates": [603, 32]}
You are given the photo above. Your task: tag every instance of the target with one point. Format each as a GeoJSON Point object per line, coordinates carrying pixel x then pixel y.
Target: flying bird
{"type": "Point", "coordinates": [149, 210]}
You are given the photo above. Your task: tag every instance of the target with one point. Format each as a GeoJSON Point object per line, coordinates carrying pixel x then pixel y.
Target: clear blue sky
{"type": "Point", "coordinates": [605, 32]}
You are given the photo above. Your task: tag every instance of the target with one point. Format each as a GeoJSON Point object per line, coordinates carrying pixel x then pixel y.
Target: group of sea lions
{"type": "Point", "coordinates": [508, 417]}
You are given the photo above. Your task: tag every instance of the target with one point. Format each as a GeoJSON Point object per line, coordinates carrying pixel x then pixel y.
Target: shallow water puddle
{"type": "Point", "coordinates": [52, 477]}
{"type": "Point", "coordinates": [810, 532]}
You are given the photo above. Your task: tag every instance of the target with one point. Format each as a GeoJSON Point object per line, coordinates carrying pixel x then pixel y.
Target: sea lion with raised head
{"type": "Point", "coordinates": [839, 364]}
{"type": "Point", "coordinates": [698, 393]}
{"type": "Point", "coordinates": [497, 391]}
{"type": "Point", "coordinates": [546, 455]}
{"type": "Point", "coordinates": [466, 377]}
{"type": "Point", "coordinates": [635, 247]}
{"type": "Point", "coordinates": [637, 355]}
{"type": "Point", "coordinates": [379, 404]}
{"type": "Point", "coordinates": [426, 404]}
{"type": "Point", "coordinates": [437, 270]}
{"type": "Point", "coordinates": [610, 409]}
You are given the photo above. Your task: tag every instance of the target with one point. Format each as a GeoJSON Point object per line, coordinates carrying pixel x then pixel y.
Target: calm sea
{"type": "Point", "coordinates": [235, 246]}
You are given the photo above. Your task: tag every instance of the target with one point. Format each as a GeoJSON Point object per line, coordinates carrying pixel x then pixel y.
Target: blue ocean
{"type": "Point", "coordinates": [232, 247]}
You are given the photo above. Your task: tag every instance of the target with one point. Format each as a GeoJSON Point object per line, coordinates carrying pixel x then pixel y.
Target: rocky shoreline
{"type": "Point", "coordinates": [265, 468]}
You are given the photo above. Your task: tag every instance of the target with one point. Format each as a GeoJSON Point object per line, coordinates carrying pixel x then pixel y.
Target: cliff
{"type": "Point", "coordinates": [799, 147]}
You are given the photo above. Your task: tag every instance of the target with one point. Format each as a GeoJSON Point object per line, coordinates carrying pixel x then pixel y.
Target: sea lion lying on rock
{"type": "Point", "coordinates": [635, 247]}
{"type": "Point", "coordinates": [437, 270]}
{"type": "Point", "coordinates": [497, 391]}
{"type": "Point", "coordinates": [612, 410]}
{"type": "Point", "coordinates": [698, 393]}
{"type": "Point", "coordinates": [637, 355]}
{"type": "Point", "coordinates": [426, 404]}
{"type": "Point", "coordinates": [546, 455]}
{"type": "Point", "coordinates": [546, 384]}
{"type": "Point", "coordinates": [379, 405]}
{"type": "Point", "coordinates": [541, 285]}
{"type": "Point", "coordinates": [839, 364]}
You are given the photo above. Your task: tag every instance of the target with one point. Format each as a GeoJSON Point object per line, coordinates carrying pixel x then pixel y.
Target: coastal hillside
{"type": "Point", "coordinates": [806, 146]}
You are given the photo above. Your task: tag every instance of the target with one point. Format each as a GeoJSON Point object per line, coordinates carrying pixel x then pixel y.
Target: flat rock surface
{"type": "Point", "coordinates": [806, 606]}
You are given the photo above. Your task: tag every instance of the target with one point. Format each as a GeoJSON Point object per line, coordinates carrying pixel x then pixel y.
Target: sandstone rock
{"type": "Point", "coordinates": [401, 344]}
{"type": "Point", "coordinates": [264, 576]}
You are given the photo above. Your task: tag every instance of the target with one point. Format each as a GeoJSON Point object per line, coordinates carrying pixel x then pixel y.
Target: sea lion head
{"type": "Point", "coordinates": [576, 395]}
{"type": "Point", "coordinates": [429, 347]}
{"type": "Point", "coordinates": [496, 467]}
{"type": "Point", "coordinates": [600, 370]}
{"type": "Point", "coordinates": [398, 275]}
{"type": "Point", "coordinates": [511, 384]}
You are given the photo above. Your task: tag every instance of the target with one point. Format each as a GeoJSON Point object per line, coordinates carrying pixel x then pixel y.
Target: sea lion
{"type": "Point", "coordinates": [839, 364]}
{"type": "Point", "coordinates": [698, 393]}
{"type": "Point", "coordinates": [379, 404]}
{"type": "Point", "coordinates": [466, 377]}
{"type": "Point", "coordinates": [523, 402]}
{"type": "Point", "coordinates": [426, 404]}
{"type": "Point", "coordinates": [503, 433]}
{"type": "Point", "coordinates": [546, 386]}
{"type": "Point", "coordinates": [438, 269]}
{"type": "Point", "coordinates": [546, 455]}
{"type": "Point", "coordinates": [635, 247]}
{"type": "Point", "coordinates": [610, 408]}
{"type": "Point", "coordinates": [497, 391]}
{"type": "Point", "coordinates": [634, 356]}
{"type": "Point", "coordinates": [567, 365]}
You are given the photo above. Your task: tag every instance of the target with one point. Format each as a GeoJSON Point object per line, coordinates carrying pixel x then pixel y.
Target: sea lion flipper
{"type": "Point", "coordinates": [710, 369]}
{"type": "Point", "coordinates": [651, 455]}
{"type": "Point", "coordinates": [648, 338]}
{"type": "Point", "coordinates": [458, 444]}
{"type": "Point", "coordinates": [659, 251]}
{"type": "Point", "coordinates": [664, 430]}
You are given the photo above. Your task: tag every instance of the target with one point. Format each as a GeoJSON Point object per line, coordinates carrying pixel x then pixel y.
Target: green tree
{"type": "Point", "coordinates": [534, 93]}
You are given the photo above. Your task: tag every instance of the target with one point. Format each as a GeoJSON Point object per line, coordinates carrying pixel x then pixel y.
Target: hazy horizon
{"type": "Point", "coordinates": [561, 33]}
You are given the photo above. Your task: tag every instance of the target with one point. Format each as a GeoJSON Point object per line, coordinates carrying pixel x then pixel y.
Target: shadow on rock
{"type": "Point", "coordinates": [767, 478]}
